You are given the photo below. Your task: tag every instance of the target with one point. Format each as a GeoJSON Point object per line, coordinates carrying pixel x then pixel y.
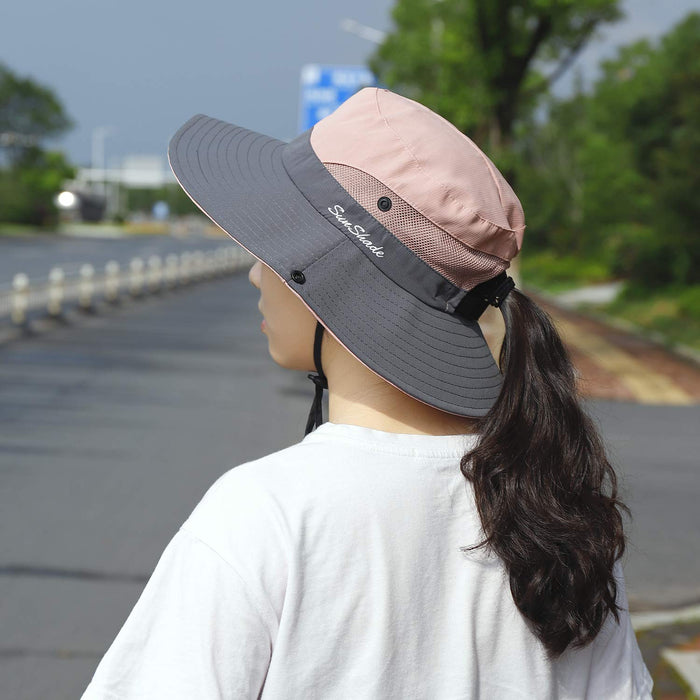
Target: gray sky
{"type": "Point", "coordinates": [144, 67]}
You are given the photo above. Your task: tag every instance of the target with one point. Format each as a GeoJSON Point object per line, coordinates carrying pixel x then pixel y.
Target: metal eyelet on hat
{"type": "Point", "coordinates": [384, 203]}
{"type": "Point", "coordinates": [298, 276]}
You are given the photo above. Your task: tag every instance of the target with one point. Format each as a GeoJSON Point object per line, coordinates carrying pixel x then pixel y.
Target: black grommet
{"type": "Point", "coordinates": [384, 203]}
{"type": "Point", "coordinates": [298, 276]}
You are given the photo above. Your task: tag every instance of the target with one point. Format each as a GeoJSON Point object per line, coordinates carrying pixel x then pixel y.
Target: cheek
{"type": "Point", "coordinates": [290, 335]}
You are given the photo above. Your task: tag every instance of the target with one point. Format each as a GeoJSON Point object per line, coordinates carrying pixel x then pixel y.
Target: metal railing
{"type": "Point", "coordinates": [151, 276]}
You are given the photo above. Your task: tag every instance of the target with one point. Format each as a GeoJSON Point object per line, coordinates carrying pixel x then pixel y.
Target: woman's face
{"type": "Point", "coordinates": [288, 324]}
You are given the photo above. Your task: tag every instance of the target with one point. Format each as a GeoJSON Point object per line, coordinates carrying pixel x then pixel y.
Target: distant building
{"type": "Point", "coordinates": [134, 171]}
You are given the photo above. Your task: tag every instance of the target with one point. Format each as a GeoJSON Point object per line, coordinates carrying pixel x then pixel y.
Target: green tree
{"type": "Point", "coordinates": [28, 187]}
{"type": "Point", "coordinates": [614, 173]}
{"type": "Point", "coordinates": [663, 123]}
{"type": "Point", "coordinates": [31, 176]}
{"type": "Point", "coordinates": [483, 65]}
{"type": "Point", "coordinates": [578, 182]}
{"type": "Point", "coordinates": [29, 113]}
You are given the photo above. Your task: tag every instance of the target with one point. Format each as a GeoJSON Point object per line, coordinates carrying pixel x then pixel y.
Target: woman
{"type": "Point", "coordinates": [453, 531]}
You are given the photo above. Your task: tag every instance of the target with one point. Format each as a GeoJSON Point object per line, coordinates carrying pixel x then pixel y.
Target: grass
{"type": "Point", "coordinates": [672, 313]}
{"type": "Point", "coordinates": [147, 227]}
{"type": "Point", "coordinates": [21, 230]}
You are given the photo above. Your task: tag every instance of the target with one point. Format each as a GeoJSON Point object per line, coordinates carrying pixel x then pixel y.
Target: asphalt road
{"type": "Point", "coordinates": [113, 428]}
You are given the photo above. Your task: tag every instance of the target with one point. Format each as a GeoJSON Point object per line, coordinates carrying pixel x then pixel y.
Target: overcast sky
{"type": "Point", "coordinates": [144, 67]}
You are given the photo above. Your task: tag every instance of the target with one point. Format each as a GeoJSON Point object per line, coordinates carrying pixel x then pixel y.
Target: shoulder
{"type": "Point", "coordinates": [267, 503]}
{"type": "Point", "coordinates": [259, 496]}
{"type": "Point", "coordinates": [244, 520]}
{"type": "Point", "coordinates": [240, 497]}
{"type": "Point", "coordinates": [285, 479]}
{"type": "Point", "coordinates": [258, 480]}
{"type": "Point", "coordinates": [611, 666]}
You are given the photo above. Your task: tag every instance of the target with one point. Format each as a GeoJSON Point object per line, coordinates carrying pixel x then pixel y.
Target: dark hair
{"type": "Point", "coordinates": [538, 475]}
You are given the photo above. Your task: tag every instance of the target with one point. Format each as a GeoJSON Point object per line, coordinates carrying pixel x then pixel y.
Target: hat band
{"type": "Point", "coordinates": [384, 250]}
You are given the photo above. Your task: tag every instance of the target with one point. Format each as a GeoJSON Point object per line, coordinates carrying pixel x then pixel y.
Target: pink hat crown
{"type": "Point", "coordinates": [449, 203]}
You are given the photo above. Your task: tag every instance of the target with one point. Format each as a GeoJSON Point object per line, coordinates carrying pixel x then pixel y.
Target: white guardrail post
{"type": "Point", "coordinates": [197, 264]}
{"type": "Point", "coordinates": [20, 298]}
{"type": "Point", "coordinates": [154, 276]}
{"type": "Point", "coordinates": [87, 287]}
{"type": "Point", "coordinates": [56, 291]}
{"type": "Point", "coordinates": [185, 267]}
{"type": "Point", "coordinates": [136, 277]}
{"type": "Point", "coordinates": [171, 270]}
{"type": "Point", "coordinates": [112, 282]}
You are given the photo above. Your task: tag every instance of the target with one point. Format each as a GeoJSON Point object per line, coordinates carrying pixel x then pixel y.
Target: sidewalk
{"type": "Point", "coordinates": [599, 294]}
{"type": "Point", "coordinates": [670, 645]}
{"type": "Point", "coordinates": [617, 361]}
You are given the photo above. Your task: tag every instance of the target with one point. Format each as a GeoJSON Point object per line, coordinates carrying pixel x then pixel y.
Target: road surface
{"type": "Point", "coordinates": [113, 428]}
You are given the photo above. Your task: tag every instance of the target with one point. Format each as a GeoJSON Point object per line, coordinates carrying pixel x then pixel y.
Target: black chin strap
{"type": "Point", "coordinates": [316, 412]}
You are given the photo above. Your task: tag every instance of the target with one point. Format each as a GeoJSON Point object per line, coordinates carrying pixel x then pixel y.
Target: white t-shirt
{"type": "Point", "coordinates": [332, 569]}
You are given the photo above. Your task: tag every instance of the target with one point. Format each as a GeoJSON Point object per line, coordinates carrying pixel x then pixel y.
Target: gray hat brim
{"type": "Point", "coordinates": [238, 179]}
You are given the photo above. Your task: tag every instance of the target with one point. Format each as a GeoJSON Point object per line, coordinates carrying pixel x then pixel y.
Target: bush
{"type": "Point", "coordinates": [655, 261]}
{"type": "Point", "coordinates": [621, 246]}
{"type": "Point", "coordinates": [616, 171]}
{"type": "Point", "coordinates": [28, 187]}
{"type": "Point", "coordinates": [689, 302]}
{"type": "Point", "coordinates": [15, 200]}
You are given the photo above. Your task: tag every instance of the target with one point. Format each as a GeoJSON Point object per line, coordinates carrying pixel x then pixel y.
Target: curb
{"type": "Point", "coordinates": [648, 620]}
{"type": "Point", "coordinates": [682, 352]}
{"type": "Point", "coordinates": [682, 659]}
{"type": "Point", "coordinates": [686, 665]}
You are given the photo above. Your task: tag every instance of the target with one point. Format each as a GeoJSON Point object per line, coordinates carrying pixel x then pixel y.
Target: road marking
{"type": "Point", "coordinates": [646, 385]}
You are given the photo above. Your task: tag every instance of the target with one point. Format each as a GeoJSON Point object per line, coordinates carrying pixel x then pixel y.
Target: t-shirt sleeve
{"type": "Point", "coordinates": [615, 668]}
{"type": "Point", "coordinates": [617, 652]}
{"type": "Point", "coordinates": [204, 626]}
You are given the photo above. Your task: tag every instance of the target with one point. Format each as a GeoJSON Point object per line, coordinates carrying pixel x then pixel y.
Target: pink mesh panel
{"type": "Point", "coordinates": [457, 262]}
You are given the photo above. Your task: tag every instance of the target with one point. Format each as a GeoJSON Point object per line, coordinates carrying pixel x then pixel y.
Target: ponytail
{"type": "Point", "coordinates": [538, 473]}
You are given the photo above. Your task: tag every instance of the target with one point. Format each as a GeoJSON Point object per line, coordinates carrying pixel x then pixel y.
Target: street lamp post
{"type": "Point", "coordinates": [376, 36]}
{"type": "Point", "coordinates": [98, 154]}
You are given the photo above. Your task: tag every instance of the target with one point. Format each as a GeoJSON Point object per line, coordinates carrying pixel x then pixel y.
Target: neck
{"type": "Point", "coordinates": [358, 396]}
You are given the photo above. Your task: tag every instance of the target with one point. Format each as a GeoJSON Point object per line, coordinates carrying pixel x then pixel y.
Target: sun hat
{"type": "Point", "coordinates": [389, 223]}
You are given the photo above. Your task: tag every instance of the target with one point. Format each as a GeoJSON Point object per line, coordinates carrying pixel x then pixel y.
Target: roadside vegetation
{"type": "Point", "coordinates": [609, 177]}
{"type": "Point", "coordinates": [610, 182]}
{"type": "Point", "coordinates": [31, 175]}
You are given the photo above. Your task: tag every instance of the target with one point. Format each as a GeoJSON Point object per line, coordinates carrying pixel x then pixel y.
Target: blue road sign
{"type": "Point", "coordinates": [323, 88]}
{"type": "Point", "coordinates": [160, 211]}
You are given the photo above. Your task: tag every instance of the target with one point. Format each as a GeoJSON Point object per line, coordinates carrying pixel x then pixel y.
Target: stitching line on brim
{"type": "Point", "coordinates": [420, 368]}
